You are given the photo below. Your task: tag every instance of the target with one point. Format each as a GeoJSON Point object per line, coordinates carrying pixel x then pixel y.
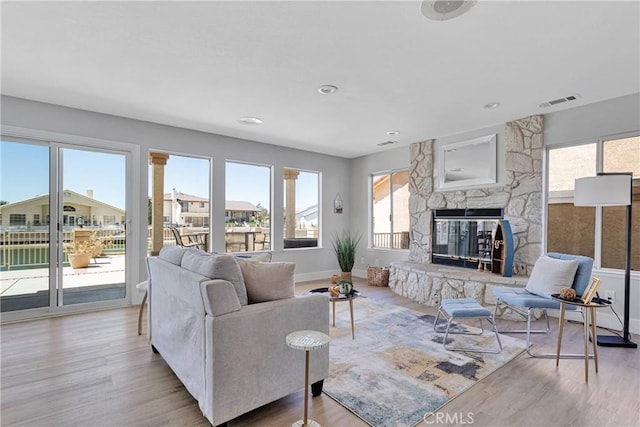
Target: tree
{"type": "Point", "coordinates": [262, 216]}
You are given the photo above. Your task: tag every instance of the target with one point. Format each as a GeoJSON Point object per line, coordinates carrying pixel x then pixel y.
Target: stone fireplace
{"type": "Point", "coordinates": [519, 196]}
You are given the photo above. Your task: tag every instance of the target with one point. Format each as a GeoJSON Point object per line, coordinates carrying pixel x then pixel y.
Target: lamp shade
{"type": "Point", "coordinates": [603, 190]}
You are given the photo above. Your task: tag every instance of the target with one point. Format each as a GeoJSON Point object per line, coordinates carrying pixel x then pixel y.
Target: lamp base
{"type": "Point", "coordinates": [615, 341]}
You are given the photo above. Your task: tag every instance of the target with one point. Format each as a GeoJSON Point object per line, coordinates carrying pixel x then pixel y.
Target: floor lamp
{"type": "Point", "coordinates": [611, 189]}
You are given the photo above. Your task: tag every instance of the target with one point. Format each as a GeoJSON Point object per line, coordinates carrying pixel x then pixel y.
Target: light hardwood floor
{"type": "Point", "coordinates": [94, 370]}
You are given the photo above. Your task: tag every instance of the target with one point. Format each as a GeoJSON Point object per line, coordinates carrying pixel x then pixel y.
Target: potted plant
{"type": "Point", "coordinates": [345, 246]}
{"type": "Point", "coordinates": [80, 252]}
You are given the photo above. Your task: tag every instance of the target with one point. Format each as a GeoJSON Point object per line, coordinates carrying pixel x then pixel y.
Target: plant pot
{"type": "Point", "coordinates": [345, 275]}
{"type": "Point", "coordinates": [79, 260]}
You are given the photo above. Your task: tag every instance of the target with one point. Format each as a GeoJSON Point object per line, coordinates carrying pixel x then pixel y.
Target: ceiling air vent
{"type": "Point", "coordinates": [382, 144]}
{"type": "Point", "coordinates": [559, 101]}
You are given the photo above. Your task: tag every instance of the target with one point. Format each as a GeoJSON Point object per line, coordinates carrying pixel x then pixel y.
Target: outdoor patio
{"type": "Point", "coordinates": [102, 280]}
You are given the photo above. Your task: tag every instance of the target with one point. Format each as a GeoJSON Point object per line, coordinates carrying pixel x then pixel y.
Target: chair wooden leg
{"type": "Point", "coordinates": [144, 301]}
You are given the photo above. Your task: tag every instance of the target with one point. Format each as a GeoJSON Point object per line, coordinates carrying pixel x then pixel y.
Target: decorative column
{"type": "Point", "coordinates": [158, 161]}
{"type": "Point", "coordinates": [290, 177]}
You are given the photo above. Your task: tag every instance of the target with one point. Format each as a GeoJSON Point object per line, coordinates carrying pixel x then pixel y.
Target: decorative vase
{"type": "Point", "coordinates": [79, 260]}
{"type": "Point", "coordinates": [345, 275]}
{"type": "Point", "coordinates": [346, 289]}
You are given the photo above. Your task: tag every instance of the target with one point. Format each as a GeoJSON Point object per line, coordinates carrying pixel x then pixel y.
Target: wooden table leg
{"type": "Point", "coordinates": [306, 388]}
{"type": "Point", "coordinates": [560, 327]}
{"type": "Point", "coordinates": [594, 337]}
{"type": "Point", "coordinates": [586, 345]}
{"type": "Point", "coordinates": [353, 333]}
{"type": "Point", "coordinates": [334, 313]}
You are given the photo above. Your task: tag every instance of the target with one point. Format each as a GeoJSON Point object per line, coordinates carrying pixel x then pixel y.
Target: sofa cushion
{"type": "Point", "coordinates": [216, 266]}
{"type": "Point", "coordinates": [267, 281]}
{"type": "Point", "coordinates": [549, 275]}
{"type": "Point", "coordinates": [172, 254]}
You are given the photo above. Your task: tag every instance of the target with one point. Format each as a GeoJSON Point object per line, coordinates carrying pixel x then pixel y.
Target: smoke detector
{"type": "Point", "coordinates": [442, 10]}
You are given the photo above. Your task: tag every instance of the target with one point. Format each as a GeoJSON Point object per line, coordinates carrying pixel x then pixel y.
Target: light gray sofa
{"type": "Point", "coordinates": [230, 355]}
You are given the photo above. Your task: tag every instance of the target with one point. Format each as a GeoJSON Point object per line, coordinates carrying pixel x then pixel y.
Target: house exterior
{"type": "Point", "coordinates": [193, 211]}
{"type": "Point", "coordinates": [78, 210]}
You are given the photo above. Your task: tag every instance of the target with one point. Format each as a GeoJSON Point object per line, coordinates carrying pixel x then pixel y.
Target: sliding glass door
{"type": "Point", "coordinates": [62, 226]}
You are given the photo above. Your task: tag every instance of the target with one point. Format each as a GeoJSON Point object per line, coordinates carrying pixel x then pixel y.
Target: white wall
{"type": "Point", "coordinates": [310, 263]}
{"type": "Point", "coordinates": [593, 121]}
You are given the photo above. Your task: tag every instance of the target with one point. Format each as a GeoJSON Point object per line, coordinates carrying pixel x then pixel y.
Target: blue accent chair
{"type": "Point", "coordinates": [524, 302]}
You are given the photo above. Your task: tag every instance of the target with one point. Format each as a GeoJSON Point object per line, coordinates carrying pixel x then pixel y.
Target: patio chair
{"type": "Point", "coordinates": [546, 278]}
{"type": "Point", "coordinates": [192, 241]}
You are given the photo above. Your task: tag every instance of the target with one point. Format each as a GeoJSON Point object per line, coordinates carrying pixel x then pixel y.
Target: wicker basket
{"type": "Point", "coordinates": [377, 276]}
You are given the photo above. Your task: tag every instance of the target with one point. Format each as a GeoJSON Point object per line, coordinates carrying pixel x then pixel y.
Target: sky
{"type": "Point", "coordinates": [25, 174]}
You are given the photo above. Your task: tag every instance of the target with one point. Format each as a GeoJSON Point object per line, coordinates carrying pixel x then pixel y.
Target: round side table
{"type": "Point", "coordinates": [307, 340]}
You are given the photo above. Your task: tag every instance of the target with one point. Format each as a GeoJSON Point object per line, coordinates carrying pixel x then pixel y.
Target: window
{"type": "Point", "coordinates": [186, 185]}
{"type": "Point", "coordinates": [577, 230]}
{"type": "Point", "coordinates": [17, 219]}
{"type": "Point", "coordinates": [36, 219]}
{"type": "Point", "coordinates": [301, 208]}
{"type": "Point", "coordinates": [390, 199]}
{"type": "Point", "coordinates": [570, 229]}
{"type": "Point", "coordinates": [109, 219]}
{"type": "Point", "coordinates": [247, 207]}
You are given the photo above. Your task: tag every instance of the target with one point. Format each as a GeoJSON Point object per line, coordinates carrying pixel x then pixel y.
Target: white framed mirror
{"type": "Point", "coordinates": [467, 163]}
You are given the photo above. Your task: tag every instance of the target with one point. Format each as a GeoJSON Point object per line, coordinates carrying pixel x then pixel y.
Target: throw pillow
{"type": "Point", "coordinates": [216, 267]}
{"type": "Point", "coordinates": [549, 275]}
{"type": "Point", "coordinates": [267, 281]}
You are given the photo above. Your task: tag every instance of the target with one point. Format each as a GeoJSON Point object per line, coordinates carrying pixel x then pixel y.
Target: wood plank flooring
{"type": "Point", "coordinates": [94, 370]}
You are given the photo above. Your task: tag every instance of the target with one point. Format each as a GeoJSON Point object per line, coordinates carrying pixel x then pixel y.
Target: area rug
{"type": "Point", "coordinates": [396, 370]}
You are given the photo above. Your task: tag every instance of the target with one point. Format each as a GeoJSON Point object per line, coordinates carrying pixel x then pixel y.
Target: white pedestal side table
{"type": "Point", "coordinates": [307, 340]}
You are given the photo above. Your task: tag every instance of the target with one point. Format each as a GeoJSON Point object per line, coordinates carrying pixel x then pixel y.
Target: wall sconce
{"type": "Point", "coordinates": [337, 204]}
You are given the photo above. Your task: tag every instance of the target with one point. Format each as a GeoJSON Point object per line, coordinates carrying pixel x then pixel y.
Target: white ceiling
{"type": "Point", "coordinates": [202, 65]}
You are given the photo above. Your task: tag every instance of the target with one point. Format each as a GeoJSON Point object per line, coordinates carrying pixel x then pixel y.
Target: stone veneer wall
{"type": "Point", "coordinates": [520, 196]}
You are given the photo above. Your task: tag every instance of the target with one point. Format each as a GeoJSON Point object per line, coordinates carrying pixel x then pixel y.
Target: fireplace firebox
{"type": "Point", "coordinates": [464, 237]}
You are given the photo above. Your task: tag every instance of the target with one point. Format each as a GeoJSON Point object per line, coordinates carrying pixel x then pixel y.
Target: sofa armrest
{"type": "Point", "coordinates": [247, 354]}
{"type": "Point", "coordinates": [219, 297]}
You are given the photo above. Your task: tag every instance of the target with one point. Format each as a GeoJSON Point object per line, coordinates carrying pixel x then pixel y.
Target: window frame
{"type": "Point", "coordinates": [370, 234]}
{"type": "Point", "coordinates": [319, 203]}
{"type": "Point", "coordinates": [270, 168]}
{"type": "Point", "coordinates": [598, 229]}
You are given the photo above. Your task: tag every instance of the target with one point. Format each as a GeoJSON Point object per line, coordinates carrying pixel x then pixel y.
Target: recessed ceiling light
{"type": "Point", "coordinates": [393, 132]}
{"type": "Point", "coordinates": [250, 121]}
{"type": "Point", "coordinates": [491, 105]}
{"type": "Point", "coordinates": [441, 10]}
{"type": "Point", "coordinates": [327, 89]}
